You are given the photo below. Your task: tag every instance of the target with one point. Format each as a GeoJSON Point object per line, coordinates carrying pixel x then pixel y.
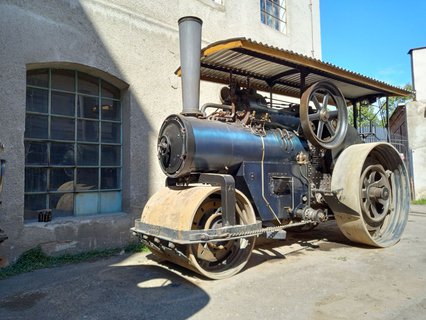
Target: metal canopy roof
{"type": "Point", "coordinates": [286, 72]}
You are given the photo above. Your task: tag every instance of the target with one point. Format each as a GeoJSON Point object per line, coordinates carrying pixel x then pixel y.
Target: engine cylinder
{"type": "Point", "coordinates": [189, 145]}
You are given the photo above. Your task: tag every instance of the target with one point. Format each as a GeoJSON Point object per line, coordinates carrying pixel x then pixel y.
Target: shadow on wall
{"type": "Point", "coordinates": [61, 35]}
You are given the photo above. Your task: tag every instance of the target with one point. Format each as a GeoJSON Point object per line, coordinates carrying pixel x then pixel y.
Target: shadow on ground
{"type": "Point", "coordinates": [99, 291]}
{"type": "Point", "coordinates": [325, 237]}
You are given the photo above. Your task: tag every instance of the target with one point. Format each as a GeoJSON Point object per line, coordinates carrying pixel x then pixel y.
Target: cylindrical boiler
{"type": "Point", "coordinates": [189, 145]}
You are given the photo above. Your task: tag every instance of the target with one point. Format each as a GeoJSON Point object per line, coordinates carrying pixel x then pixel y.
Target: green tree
{"type": "Point", "coordinates": [395, 101]}
{"type": "Point", "coordinates": [375, 114]}
{"type": "Point", "coordinates": [367, 115]}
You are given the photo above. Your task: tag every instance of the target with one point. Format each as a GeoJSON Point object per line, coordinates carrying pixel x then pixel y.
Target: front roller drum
{"type": "Point", "coordinates": [372, 194]}
{"type": "Point", "coordinates": [200, 208]}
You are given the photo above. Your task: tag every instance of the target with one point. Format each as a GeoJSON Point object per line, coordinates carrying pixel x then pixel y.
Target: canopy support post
{"type": "Point", "coordinates": [387, 119]}
{"type": "Point", "coordinates": [303, 75]}
{"type": "Point", "coordinates": [355, 113]}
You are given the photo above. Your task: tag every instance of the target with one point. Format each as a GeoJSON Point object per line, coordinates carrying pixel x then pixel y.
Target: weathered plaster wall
{"type": "Point", "coordinates": [135, 45]}
{"type": "Point", "coordinates": [416, 127]}
{"type": "Point", "coordinates": [418, 57]}
{"type": "Point", "coordinates": [416, 121]}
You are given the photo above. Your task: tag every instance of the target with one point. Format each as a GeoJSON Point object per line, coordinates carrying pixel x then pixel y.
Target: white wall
{"type": "Point", "coordinates": [416, 127]}
{"type": "Point", "coordinates": [419, 73]}
{"type": "Point", "coordinates": [416, 122]}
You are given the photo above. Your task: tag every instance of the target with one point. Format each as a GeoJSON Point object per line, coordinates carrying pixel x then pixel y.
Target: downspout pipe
{"type": "Point", "coordinates": [190, 50]}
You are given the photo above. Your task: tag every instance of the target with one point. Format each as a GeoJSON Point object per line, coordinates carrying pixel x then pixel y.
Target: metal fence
{"type": "Point", "coordinates": [376, 134]}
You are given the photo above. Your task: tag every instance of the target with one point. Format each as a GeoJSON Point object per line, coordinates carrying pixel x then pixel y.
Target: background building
{"type": "Point", "coordinates": [85, 86]}
{"type": "Point", "coordinates": [416, 121]}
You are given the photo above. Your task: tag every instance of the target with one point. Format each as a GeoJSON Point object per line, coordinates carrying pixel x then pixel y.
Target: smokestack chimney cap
{"type": "Point", "coordinates": [190, 18]}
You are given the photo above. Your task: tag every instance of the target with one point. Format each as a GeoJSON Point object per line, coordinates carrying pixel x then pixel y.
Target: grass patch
{"type": "Point", "coordinates": [420, 201]}
{"type": "Point", "coordinates": [35, 258]}
{"type": "Point", "coordinates": [135, 247]}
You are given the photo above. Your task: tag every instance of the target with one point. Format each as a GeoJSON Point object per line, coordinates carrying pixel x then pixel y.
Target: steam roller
{"type": "Point", "coordinates": [255, 164]}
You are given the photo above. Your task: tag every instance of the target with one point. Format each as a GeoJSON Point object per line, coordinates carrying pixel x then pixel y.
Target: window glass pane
{"type": "Point", "coordinates": [110, 178]}
{"type": "Point", "coordinates": [61, 179]}
{"type": "Point", "coordinates": [39, 78]}
{"type": "Point", "coordinates": [272, 13]}
{"type": "Point", "coordinates": [87, 179]}
{"type": "Point", "coordinates": [37, 100]}
{"type": "Point", "coordinates": [86, 203]}
{"type": "Point", "coordinates": [61, 128]}
{"type": "Point", "coordinates": [110, 201]}
{"type": "Point", "coordinates": [110, 155]}
{"type": "Point", "coordinates": [62, 204]}
{"type": "Point", "coordinates": [111, 110]}
{"type": "Point", "coordinates": [87, 130]}
{"type": "Point", "coordinates": [35, 179]}
{"type": "Point", "coordinates": [111, 132]}
{"type": "Point", "coordinates": [62, 103]}
{"type": "Point", "coordinates": [87, 155]}
{"type": "Point", "coordinates": [269, 7]}
{"type": "Point", "coordinates": [281, 14]}
{"type": "Point", "coordinates": [62, 154]}
{"type": "Point", "coordinates": [35, 153]}
{"type": "Point", "coordinates": [63, 80]}
{"type": "Point", "coordinates": [109, 91]}
{"type": "Point", "coordinates": [36, 126]}
{"type": "Point", "coordinates": [88, 107]}
{"type": "Point", "coordinates": [35, 201]}
{"type": "Point", "coordinates": [88, 84]}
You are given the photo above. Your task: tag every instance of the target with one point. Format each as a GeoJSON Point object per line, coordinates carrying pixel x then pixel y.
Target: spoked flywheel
{"type": "Point", "coordinates": [324, 115]}
{"type": "Point", "coordinates": [370, 182]}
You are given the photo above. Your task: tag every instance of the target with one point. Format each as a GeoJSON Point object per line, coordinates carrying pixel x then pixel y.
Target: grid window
{"type": "Point", "coordinates": [72, 144]}
{"type": "Point", "coordinates": [273, 14]}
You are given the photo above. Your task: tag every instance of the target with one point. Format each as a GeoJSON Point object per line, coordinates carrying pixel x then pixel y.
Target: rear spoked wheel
{"type": "Point", "coordinates": [375, 196]}
{"type": "Point", "coordinates": [372, 189]}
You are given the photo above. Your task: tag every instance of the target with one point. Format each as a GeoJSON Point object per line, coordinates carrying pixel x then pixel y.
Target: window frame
{"type": "Point", "coordinates": [99, 121]}
{"type": "Point", "coordinates": [277, 19]}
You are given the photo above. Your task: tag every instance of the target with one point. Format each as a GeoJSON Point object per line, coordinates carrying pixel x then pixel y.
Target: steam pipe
{"type": "Point", "coordinates": [190, 48]}
{"type": "Point", "coordinates": [214, 105]}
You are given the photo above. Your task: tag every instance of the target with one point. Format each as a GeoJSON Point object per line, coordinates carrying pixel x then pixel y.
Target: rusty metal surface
{"type": "Point", "coordinates": [196, 208]}
{"type": "Point", "coordinates": [346, 185]}
{"type": "Point", "coordinates": [198, 236]}
{"type": "Point", "coordinates": [174, 207]}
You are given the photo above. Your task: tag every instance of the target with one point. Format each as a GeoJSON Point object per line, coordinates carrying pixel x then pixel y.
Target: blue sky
{"type": "Point", "coordinates": [373, 37]}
